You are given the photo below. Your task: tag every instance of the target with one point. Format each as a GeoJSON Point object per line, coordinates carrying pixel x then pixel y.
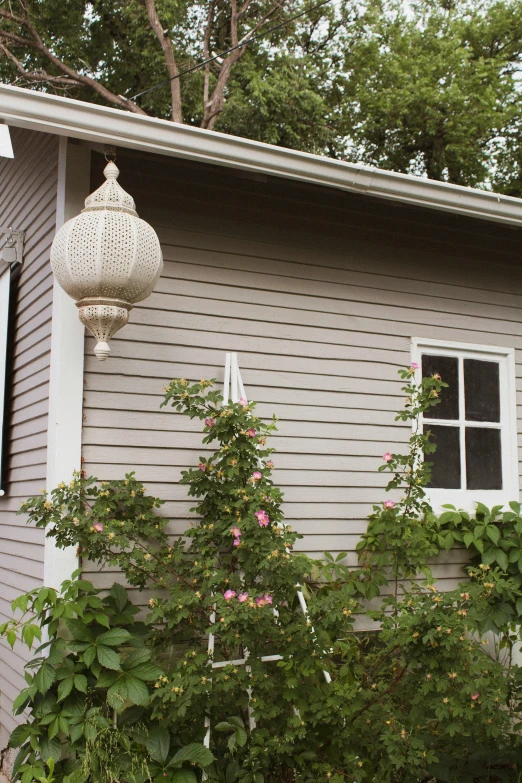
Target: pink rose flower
{"type": "Point", "coordinates": [98, 527]}
{"type": "Point", "coordinates": [202, 466]}
{"type": "Point", "coordinates": [387, 457]}
{"type": "Point", "coordinates": [262, 518]}
{"type": "Point", "coordinates": [414, 365]}
{"type": "Point", "coordinates": [263, 600]}
{"type": "Point", "coordinates": [251, 432]}
{"type": "Point", "coordinates": [474, 696]}
{"type": "Point", "coordinates": [237, 541]}
{"type": "Point", "coordinates": [210, 421]}
{"type": "Point", "coordinates": [228, 595]}
{"type": "Point", "coordinates": [388, 504]}
{"type": "Point", "coordinates": [269, 464]}
{"type": "Point", "coordinates": [243, 401]}
{"type": "Point", "coordinates": [242, 597]}
{"type": "Point", "coordinates": [236, 531]}
{"type": "Point", "coordinates": [256, 475]}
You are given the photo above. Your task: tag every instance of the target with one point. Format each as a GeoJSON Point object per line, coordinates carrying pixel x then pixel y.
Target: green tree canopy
{"type": "Point", "coordinates": [429, 87]}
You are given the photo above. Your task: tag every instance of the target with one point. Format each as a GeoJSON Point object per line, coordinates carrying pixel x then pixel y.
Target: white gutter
{"type": "Point", "coordinates": [77, 119]}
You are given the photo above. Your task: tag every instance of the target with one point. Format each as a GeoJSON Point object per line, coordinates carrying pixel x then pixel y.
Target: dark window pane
{"type": "Point", "coordinates": [448, 369]}
{"type": "Point", "coordinates": [446, 460]}
{"type": "Point", "coordinates": [483, 458]}
{"type": "Point", "coordinates": [482, 390]}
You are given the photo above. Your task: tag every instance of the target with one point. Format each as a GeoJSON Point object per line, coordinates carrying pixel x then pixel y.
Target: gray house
{"type": "Point", "coordinates": [323, 276]}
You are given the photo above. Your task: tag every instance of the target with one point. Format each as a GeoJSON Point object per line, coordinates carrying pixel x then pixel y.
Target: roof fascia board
{"type": "Point", "coordinates": [77, 119]}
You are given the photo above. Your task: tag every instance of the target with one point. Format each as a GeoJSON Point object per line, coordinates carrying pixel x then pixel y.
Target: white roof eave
{"type": "Point", "coordinates": [100, 124]}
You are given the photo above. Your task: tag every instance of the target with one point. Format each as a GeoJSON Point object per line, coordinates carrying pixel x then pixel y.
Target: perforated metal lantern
{"type": "Point", "coordinates": [107, 259]}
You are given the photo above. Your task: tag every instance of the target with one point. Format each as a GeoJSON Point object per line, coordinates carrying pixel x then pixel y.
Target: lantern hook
{"type": "Point", "coordinates": [110, 153]}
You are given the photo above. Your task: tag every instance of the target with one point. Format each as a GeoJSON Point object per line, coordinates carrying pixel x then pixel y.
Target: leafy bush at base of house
{"type": "Point", "coordinates": [413, 692]}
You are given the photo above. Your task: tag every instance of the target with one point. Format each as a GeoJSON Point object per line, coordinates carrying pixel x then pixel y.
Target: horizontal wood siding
{"type": "Point", "coordinates": [320, 293]}
{"type": "Point", "coordinates": [28, 185]}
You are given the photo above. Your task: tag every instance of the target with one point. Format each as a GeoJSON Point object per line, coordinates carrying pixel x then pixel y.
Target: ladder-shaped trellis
{"type": "Point", "coordinates": [233, 391]}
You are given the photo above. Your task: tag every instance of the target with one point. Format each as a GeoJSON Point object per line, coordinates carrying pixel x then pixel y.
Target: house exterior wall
{"type": "Point", "coordinates": [28, 188]}
{"type": "Point", "coordinates": [320, 293]}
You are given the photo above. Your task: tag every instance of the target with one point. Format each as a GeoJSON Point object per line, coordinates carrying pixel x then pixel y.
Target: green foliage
{"type": "Point", "coordinates": [417, 692]}
{"type": "Point", "coordinates": [432, 89]}
{"type": "Point", "coordinates": [88, 689]}
{"type": "Point", "coordinates": [428, 87]}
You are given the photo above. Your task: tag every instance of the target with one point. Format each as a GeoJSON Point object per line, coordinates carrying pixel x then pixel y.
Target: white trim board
{"type": "Point", "coordinates": [64, 439]}
{"type": "Point", "coordinates": [81, 120]}
{"type": "Point", "coordinates": [465, 498]}
{"type": "Point", "coordinates": [5, 286]}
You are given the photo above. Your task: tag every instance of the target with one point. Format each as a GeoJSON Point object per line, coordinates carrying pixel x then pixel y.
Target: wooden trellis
{"type": "Point", "coordinates": [233, 391]}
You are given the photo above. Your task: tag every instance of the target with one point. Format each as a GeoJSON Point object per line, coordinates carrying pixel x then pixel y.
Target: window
{"type": "Point", "coordinates": [474, 425]}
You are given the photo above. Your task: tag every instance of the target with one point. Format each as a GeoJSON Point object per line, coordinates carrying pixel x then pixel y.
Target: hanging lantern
{"type": "Point", "coordinates": [107, 259]}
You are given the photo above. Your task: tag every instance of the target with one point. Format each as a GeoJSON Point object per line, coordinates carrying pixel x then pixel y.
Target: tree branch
{"type": "Point", "coordinates": [35, 42]}
{"type": "Point", "coordinates": [206, 51]}
{"type": "Point", "coordinates": [215, 104]}
{"type": "Point", "coordinates": [170, 60]}
{"type": "Point", "coordinates": [37, 76]}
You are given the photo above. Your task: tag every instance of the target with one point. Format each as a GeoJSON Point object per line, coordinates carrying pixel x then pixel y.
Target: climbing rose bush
{"type": "Point", "coordinates": [384, 679]}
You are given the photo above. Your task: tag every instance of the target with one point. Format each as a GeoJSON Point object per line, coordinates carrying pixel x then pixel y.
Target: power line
{"type": "Point", "coordinates": [227, 51]}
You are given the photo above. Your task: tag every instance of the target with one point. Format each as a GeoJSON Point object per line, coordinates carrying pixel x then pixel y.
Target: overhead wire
{"type": "Point", "coordinates": [218, 56]}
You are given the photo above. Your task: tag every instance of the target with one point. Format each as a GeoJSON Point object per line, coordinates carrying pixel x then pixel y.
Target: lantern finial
{"type": "Point", "coordinates": [111, 171]}
{"type": "Point", "coordinates": [107, 259]}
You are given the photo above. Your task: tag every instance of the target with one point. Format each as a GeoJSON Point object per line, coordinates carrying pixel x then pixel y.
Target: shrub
{"type": "Point", "coordinates": [416, 696]}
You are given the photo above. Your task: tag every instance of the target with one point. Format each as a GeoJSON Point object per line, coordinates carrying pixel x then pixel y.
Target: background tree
{"type": "Point", "coordinates": [108, 51]}
{"type": "Point", "coordinates": [429, 87]}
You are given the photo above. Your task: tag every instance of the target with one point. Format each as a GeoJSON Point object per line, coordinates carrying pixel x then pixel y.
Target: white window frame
{"type": "Point", "coordinates": [467, 498]}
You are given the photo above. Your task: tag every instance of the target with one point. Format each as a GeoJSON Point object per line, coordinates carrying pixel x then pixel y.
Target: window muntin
{"type": "Point", "coordinates": [474, 425]}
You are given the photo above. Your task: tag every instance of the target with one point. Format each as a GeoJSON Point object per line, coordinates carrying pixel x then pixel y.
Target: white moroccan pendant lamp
{"type": "Point", "coordinates": [107, 259]}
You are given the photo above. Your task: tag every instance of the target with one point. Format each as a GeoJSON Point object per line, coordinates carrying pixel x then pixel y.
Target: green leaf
{"type": "Point", "coordinates": [19, 735]}
{"type": "Point", "coordinates": [184, 776]}
{"type": "Point", "coordinates": [135, 657]}
{"type": "Point", "coordinates": [195, 752]}
{"type": "Point", "coordinates": [117, 694]}
{"type": "Point", "coordinates": [89, 655]}
{"type": "Point", "coordinates": [113, 638]}
{"type": "Point", "coordinates": [51, 748]}
{"type": "Point", "coordinates": [80, 682]}
{"type": "Point", "coordinates": [120, 596]}
{"type": "Point", "coordinates": [108, 657]}
{"type": "Point", "coordinates": [80, 632]}
{"type": "Point", "coordinates": [490, 555]}
{"type": "Point", "coordinates": [493, 533]}
{"type": "Point", "coordinates": [158, 744]}
{"type": "Point", "coordinates": [65, 687]}
{"type": "Point", "coordinates": [241, 737]}
{"type": "Point", "coordinates": [137, 691]}
{"type": "Point", "coordinates": [501, 559]}
{"type": "Point", "coordinates": [106, 679]}
{"type": "Point", "coordinates": [514, 506]}
{"type": "Point", "coordinates": [44, 678]}
{"type": "Point", "coordinates": [468, 539]}
{"type": "Point", "coordinates": [146, 672]}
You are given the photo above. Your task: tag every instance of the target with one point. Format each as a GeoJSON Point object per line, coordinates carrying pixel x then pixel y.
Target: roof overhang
{"type": "Point", "coordinates": [100, 124]}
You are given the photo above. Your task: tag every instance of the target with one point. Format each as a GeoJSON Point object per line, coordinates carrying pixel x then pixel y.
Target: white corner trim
{"type": "Point", "coordinates": [78, 119]}
{"type": "Point", "coordinates": [508, 393]}
{"type": "Point", "coordinates": [6, 147]}
{"type": "Point", "coordinates": [5, 286]}
{"type": "Point", "coordinates": [64, 439]}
